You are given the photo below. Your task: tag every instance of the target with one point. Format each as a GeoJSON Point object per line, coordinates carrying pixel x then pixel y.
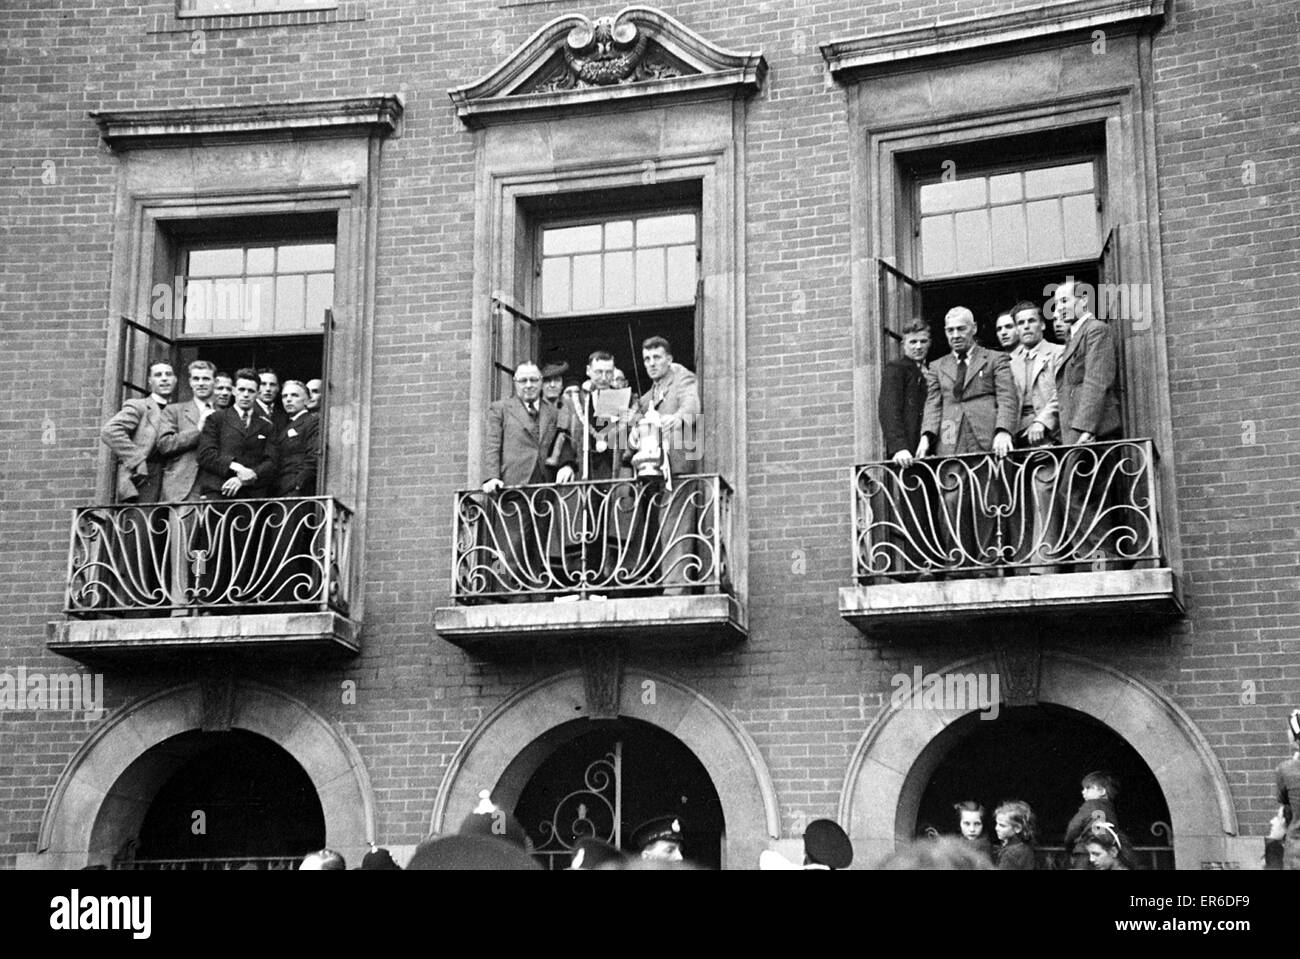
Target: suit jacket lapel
{"type": "Point", "coordinates": [974, 358]}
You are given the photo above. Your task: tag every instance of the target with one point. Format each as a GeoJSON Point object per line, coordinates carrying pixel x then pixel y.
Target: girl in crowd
{"type": "Point", "coordinates": [1107, 850]}
{"type": "Point", "coordinates": [1015, 828]}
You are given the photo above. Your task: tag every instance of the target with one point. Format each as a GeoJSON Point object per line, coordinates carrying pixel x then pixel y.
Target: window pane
{"type": "Point", "coordinates": [1053, 181]}
{"type": "Point", "coordinates": [586, 281]}
{"type": "Point", "coordinates": [953, 195]}
{"type": "Point", "coordinates": [571, 239]}
{"type": "Point", "coordinates": [973, 251]}
{"type": "Point", "coordinates": [618, 235]}
{"type": "Point", "coordinates": [681, 273]}
{"type": "Point", "coordinates": [1004, 188]}
{"type": "Point", "coordinates": [261, 259]}
{"type": "Point", "coordinates": [228, 262]}
{"type": "Point", "coordinates": [198, 316]}
{"type": "Point", "coordinates": [650, 276]}
{"type": "Point", "coordinates": [1009, 236]}
{"type": "Point", "coordinates": [320, 297]}
{"type": "Point", "coordinates": [288, 304]}
{"type": "Point", "coordinates": [618, 277]}
{"type": "Point", "coordinates": [306, 258]}
{"type": "Point", "coordinates": [260, 302]}
{"type": "Point", "coordinates": [656, 230]}
{"type": "Point", "coordinates": [555, 285]}
{"type": "Point", "coordinates": [937, 254]}
{"type": "Point", "coordinates": [1044, 222]}
{"type": "Point", "coordinates": [225, 304]}
{"type": "Point", "coordinates": [1081, 226]}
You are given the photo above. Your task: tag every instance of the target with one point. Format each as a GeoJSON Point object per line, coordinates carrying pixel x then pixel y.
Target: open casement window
{"type": "Point", "coordinates": [900, 303]}
{"type": "Point", "coordinates": [326, 391]}
{"type": "Point", "coordinates": [514, 341]}
{"type": "Point", "coordinates": [140, 346]}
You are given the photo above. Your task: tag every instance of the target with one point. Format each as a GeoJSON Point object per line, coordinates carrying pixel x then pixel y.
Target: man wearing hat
{"type": "Point", "coordinates": [660, 840]}
{"type": "Point", "coordinates": [826, 846]}
{"type": "Point", "coordinates": [590, 853]}
{"type": "Point", "coordinates": [490, 839]}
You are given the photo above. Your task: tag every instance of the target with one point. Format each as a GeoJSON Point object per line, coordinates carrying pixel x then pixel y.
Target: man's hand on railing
{"type": "Point", "coordinates": [565, 475]}
{"type": "Point", "coordinates": [1001, 443]}
{"type": "Point", "coordinates": [492, 485]}
{"type": "Point", "coordinates": [1034, 435]}
{"type": "Point", "coordinates": [232, 486]}
{"type": "Point", "coordinates": [1086, 438]}
{"type": "Point", "coordinates": [243, 472]}
{"type": "Point", "coordinates": [904, 457]}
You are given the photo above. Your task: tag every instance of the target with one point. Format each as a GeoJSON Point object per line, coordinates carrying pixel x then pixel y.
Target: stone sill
{"type": "Point", "coordinates": [299, 634]}
{"type": "Point", "coordinates": [654, 620]}
{"type": "Point", "coordinates": [1154, 593]}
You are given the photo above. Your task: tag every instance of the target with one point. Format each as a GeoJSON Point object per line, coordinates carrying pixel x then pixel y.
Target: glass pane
{"type": "Point", "coordinates": [650, 276]}
{"type": "Point", "coordinates": [306, 258]}
{"type": "Point", "coordinates": [681, 273]}
{"type": "Point", "coordinates": [288, 304]}
{"type": "Point", "coordinates": [555, 285]}
{"type": "Point", "coordinates": [1004, 188]}
{"type": "Point", "coordinates": [656, 230]}
{"type": "Point", "coordinates": [1044, 223]}
{"type": "Point", "coordinates": [320, 297]}
{"type": "Point", "coordinates": [227, 262]}
{"type": "Point", "coordinates": [225, 304]}
{"type": "Point", "coordinates": [260, 303]}
{"type": "Point", "coordinates": [1009, 236]}
{"type": "Point", "coordinates": [1081, 226]}
{"type": "Point", "coordinates": [198, 315]}
{"type": "Point", "coordinates": [261, 259]}
{"type": "Point", "coordinates": [973, 251]}
{"type": "Point", "coordinates": [586, 281]}
{"type": "Point", "coordinates": [618, 277]}
{"type": "Point", "coordinates": [953, 195]}
{"type": "Point", "coordinates": [1053, 181]}
{"type": "Point", "coordinates": [571, 239]}
{"type": "Point", "coordinates": [937, 254]}
{"type": "Point", "coordinates": [618, 235]}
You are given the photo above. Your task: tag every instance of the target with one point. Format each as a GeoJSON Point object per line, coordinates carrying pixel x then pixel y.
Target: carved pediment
{"type": "Point", "coordinates": [638, 52]}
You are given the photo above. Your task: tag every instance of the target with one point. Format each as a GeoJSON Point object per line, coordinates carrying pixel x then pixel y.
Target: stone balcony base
{"type": "Point", "coordinates": [308, 634]}
{"type": "Point", "coordinates": [1138, 593]}
{"type": "Point", "coordinates": [646, 619]}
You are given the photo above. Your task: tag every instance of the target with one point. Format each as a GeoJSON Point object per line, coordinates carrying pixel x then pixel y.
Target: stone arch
{"type": "Point", "coordinates": [109, 782]}
{"type": "Point", "coordinates": [509, 744]}
{"type": "Point", "coordinates": [893, 761]}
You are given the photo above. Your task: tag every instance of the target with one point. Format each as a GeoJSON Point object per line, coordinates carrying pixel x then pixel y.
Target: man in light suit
{"type": "Point", "coordinates": [179, 442]}
{"type": "Point", "coordinates": [971, 407]}
{"type": "Point", "coordinates": [521, 433]}
{"type": "Point", "coordinates": [1033, 364]}
{"type": "Point", "coordinates": [1087, 393]}
{"type": "Point", "coordinates": [132, 434]}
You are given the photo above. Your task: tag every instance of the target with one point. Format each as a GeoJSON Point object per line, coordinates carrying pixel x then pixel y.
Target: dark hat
{"type": "Point", "coordinates": [492, 822]}
{"type": "Point", "coordinates": [469, 853]}
{"type": "Point", "coordinates": [592, 853]}
{"type": "Point", "coordinates": [379, 858]}
{"type": "Point", "coordinates": [552, 370]}
{"type": "Point", "coordinates": [826, 844]}
{"type": "Point", "coordinates": [665, 828]}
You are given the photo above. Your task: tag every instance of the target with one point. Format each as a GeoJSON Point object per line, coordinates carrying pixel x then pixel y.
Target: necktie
{"type": "Point", "coordinates": [246, 417]}
{"type": "Point", "coordinates": [1028, 360]}
{"type": "Point", "coordinates": [960, 386]}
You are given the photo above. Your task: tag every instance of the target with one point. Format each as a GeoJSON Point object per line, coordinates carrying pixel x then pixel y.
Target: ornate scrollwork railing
{"type": "Point", "coordinates": [1056, 508]}
{"type": "Point", "coordinates": [599, 537]}
{"type": "Point", "coordinates": [224, 864]}
{"type": "Point", "coordinates": [210, 556]}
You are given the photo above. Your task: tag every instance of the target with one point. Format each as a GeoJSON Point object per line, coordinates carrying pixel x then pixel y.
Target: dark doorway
{"type": "Point", "coordinates": [237, 795]}
{"type": "Point", "coordinates": [574, 340]}
{"type": "Point", "coordinates": [292, 357]}
{"type": "Point", "coordinates": [625, 765]}
{"type": "Point", "coordinates": [1039, 754]}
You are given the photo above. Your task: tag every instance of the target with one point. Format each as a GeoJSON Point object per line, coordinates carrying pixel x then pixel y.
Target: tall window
{"type": "Point", "coordinates": [257, 288]}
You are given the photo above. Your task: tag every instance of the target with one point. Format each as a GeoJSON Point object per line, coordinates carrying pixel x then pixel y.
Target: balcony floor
{"type": "Point", "coordinates": [1143, 593]}
{"type": "Point", "coordinates": [650, 619]}
{"type": "Point", "coordinates": [286, 634]}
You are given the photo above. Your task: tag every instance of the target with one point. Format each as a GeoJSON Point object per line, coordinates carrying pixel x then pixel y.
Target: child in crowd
{"type": "Point", "coordinates": [1100, 791]}
{"type": "Point", "coordinates": [970, 818]}
{"type": "Point", "coordinates": [1106, 848]}
{"type": "Point", "coordinates": [1015, 825]}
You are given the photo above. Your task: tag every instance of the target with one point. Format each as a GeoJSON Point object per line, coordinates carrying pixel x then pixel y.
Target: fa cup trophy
{"type": "Point", "coordinates": [648, 459]}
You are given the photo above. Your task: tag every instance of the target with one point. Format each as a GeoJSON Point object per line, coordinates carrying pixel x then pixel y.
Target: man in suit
{"type": "Point", "coordinates": [132, 435]}
{"type": "Point", "coordinates": [521, 433]}
{"type": "Point", "coordinates": [1033, 364]}
{"type": "Point", "coordinates": [1004, 328]}
{"type": "Point", "coordinates": [1087, 393]}
{"type": "Point", "coordinates": [906, 502]}
{"type": "Point", "coordinates": [268, 391]}
{"type": "Point", "coordinates": [223, 390]}
{"type": "Point", "coordinates": [299, 444]}
{"type": "Point", "coordinates": [178, 442]}
{"type": "Point", "coordinates": [299, 575]}
{"type": "Point", "coordinates": [674, 397]}
{"type": "Point", "coordinates": [313, 396]}
{"type": "Point", "coordinates": [971, 407]}
{"type": "Point", "coordinates": [238, 459]}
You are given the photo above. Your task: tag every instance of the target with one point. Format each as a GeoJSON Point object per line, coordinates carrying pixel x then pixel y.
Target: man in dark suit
{"type": "Point", "coordinates": [971, 407]}
{"type": "Point", "coordinates": [900, 407]}
{"type": "Point", "coordinates": [238, 459]}
{"type": "Point", "coordinates": [298, 578]}
{"type": "Point", "coordinates": [268, 391]}
{"type": "Point", "coordinates": [521, 433]}
{"type": "Point", "coordinates": [1088, 400]}
{"type": "Point", "coordinates": [299, 444]}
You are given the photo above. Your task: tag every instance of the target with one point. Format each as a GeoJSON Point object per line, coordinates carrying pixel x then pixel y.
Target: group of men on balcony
{"type": "Point", "coordinates": [549, 540]}
{"type": "Point", "coordinates": [975, 400]}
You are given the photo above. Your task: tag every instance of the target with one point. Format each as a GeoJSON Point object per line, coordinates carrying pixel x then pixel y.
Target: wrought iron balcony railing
{"type": "Point", "coordinates": [624, 537]}
{"type": "Point", "coordinates": [1050, 509]}
{"type": "Point", "coordinates": [210, 556]}
{"type": "Point", "coordinates": [226, 864]}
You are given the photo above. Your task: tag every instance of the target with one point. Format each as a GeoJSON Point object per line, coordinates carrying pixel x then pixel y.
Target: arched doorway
{"type": "Point", "coordinates": [232, 798]}
{"type": "Point", "coordinates": [606, 778]}
{"type": "Point", "coordinates": [1039, 754]}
